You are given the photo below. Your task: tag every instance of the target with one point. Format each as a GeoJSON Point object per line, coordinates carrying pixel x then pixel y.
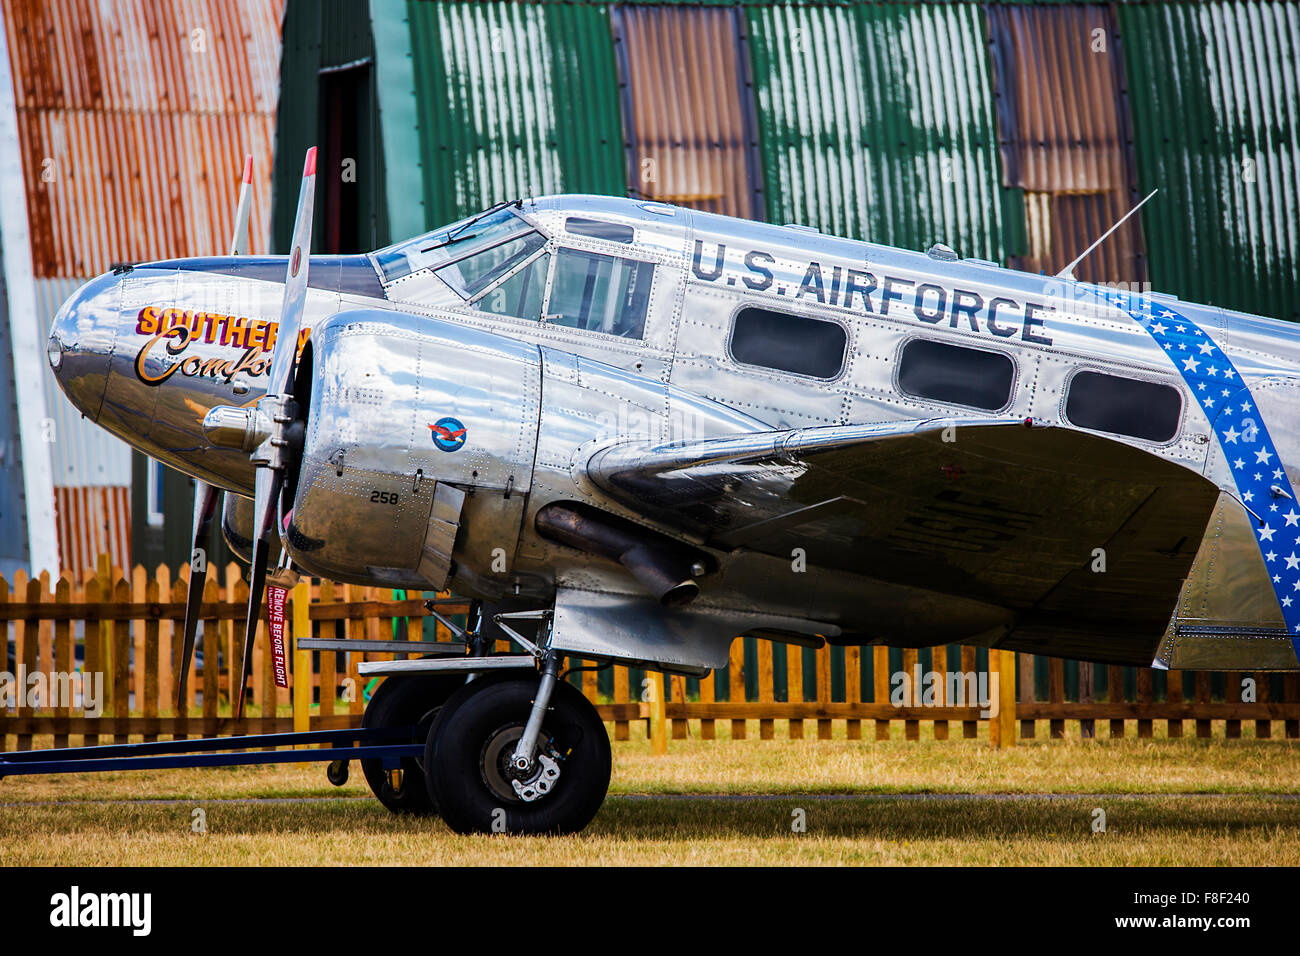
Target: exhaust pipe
{"type": "Point", "coordinates": [662, 566]}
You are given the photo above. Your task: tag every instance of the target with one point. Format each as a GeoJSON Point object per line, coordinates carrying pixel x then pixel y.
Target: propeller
{"type": "Point", "coordinates": [205, 496]}
{"type": "Point", "coordinates": [274, 414]}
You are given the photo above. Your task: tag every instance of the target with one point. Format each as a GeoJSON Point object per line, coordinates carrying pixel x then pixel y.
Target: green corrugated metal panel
{"type": "Point", "coordinates": [1215, 95]}
{"type": "Point", "coordinates": [876, 123]}
{"type": "Point", "coordinates": [398, 123]}
{"type": "Point", "coordinates": [344, 32]}
{"type": "Point", "coordinates": [323, 38]}
{"type": "Point", "coordinates": [514, 100]}
{"type": "Point", "coordinates": [295, 126]}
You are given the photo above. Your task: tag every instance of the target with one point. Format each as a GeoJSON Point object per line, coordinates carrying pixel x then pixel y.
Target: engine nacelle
{"type": "Point", "coordinates": [407, 415]}
{"type": "Point", "coordinates": [237, 527]}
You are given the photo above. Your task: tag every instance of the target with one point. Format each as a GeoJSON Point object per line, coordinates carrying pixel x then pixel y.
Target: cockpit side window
{"type": "Point", "coordinates": [600, 293]}
{"type": "Point", "coordinates": [476, 272]}
{"type": "Point", "coordinates": [452, 242]}
{"type": "Point", "coordinates": [521, 294]}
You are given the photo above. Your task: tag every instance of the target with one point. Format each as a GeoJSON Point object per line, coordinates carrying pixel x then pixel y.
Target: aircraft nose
{"type": "Point", "coordinates": [80, 347]}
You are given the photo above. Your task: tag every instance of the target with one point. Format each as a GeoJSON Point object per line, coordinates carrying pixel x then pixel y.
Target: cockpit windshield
{"type": "Point", "coordinates": [457, 241]}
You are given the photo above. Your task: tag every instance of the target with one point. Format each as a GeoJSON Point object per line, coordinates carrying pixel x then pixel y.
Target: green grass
{"type": "Point", "coordinates": [1237, 815]}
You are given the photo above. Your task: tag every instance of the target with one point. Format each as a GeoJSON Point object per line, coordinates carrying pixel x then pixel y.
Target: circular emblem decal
{"type": "Point", "coordinates": [297, 261]}
{"type": "Point", "coordinates": [448, 434]}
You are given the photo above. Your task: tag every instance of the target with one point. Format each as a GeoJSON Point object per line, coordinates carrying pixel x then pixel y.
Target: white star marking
{"type": "Point", "coordinates": [1263, 455]}
{"type": "Point", "coordinates": [1266, 533]}
{"type": "Point", "coordinates": [1191, 364]}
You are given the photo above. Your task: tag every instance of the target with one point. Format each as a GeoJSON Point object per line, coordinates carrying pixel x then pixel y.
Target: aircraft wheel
{"type": "Point", "coordinates": [406, 700]}
{"type": "Point", "coordinates": [467, 759]}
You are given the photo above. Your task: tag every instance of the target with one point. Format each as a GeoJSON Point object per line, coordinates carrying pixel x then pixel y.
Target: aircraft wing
{"type": "Point", "coordinates": [990, 509]}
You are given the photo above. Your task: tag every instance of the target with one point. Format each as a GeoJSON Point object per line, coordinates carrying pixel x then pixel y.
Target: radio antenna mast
{"type": "Point", "coordinates": [1068, 271]}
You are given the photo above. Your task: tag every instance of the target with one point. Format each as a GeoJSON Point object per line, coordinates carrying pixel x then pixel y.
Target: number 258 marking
{"type": "Point", "coordinates": [384, 497]}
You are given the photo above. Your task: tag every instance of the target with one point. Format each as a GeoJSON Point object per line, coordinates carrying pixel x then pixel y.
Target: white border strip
{"type": "Point", "coordinates": [28, 355]}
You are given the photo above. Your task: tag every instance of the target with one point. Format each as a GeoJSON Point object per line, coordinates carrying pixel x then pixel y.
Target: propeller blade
{"type": "Point", "coordinates": [266, 493]}
{"type": "Point", "coordinates": [284, 355]}
{"type": "Point", "coordinates": [239, 238]}
{"type": "Point", "coordinates": [276, 405]}
{"type": "Point", "coordinates": [261, 549]}
{"type": "Point", "coordinates": [205, 506]}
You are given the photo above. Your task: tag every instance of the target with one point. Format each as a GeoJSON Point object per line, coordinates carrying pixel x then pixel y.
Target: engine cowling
{"type": "Point", "coordinates": [406, 416]}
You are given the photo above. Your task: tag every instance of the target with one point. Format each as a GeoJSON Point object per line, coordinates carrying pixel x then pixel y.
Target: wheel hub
{"type": "Point", "coordinates": [505, 780]}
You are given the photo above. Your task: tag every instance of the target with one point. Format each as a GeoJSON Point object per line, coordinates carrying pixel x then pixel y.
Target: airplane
{"type": "Point", "coordinates": [631, 432]}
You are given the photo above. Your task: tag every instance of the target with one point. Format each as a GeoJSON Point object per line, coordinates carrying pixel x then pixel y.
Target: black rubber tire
{"type": "Point", "coordinates": [479, 714]}
{"type": "Point", "coordinates": [402, 700]}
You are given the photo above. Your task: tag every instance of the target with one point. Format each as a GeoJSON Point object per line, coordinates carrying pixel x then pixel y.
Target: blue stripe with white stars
{"type": "Point", "coordinates": [1262, 483]}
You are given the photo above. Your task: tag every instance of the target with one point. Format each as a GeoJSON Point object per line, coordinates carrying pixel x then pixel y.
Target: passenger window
{"type": "Point", "coordinates": [1124, 406]}
{"type": "Point", "coordinates": [788, 343]}
{"type": "Point", "coordinates": [956, 375]}
{"type": "Point", "coordinates": [600, 293]}
{"type": "Point", "coordinates": [521, 294]}
{"type": "Point", "coordinates": [598, 229]}
{"type": "Point", "coordinates": [475, 273]}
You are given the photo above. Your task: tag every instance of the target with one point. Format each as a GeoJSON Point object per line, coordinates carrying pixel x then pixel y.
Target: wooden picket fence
{"type": "Point", "coordinates": [128, 628]}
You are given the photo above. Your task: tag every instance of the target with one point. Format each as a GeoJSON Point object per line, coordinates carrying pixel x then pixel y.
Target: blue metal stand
{"type": "Point", "coordinates": [389, 744]}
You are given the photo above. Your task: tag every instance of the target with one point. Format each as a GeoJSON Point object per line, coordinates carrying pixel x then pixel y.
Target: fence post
{"type": "Point", "coordinates": [1002, 723]}
{"type": "Point", "coordinates": [658, 715]}
{"type": "Point", "coordinates": [301, 659]}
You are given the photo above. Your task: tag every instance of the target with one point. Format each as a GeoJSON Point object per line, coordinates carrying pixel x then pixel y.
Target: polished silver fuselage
{"type": "Point", "coordinates": [558, 393]}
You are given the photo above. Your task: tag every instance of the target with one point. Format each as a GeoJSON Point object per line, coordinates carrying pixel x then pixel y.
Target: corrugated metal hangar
{"type": "Point", "coordinates": [126, 127]}
{"type": "Point", "coordinates": [1015, 132]}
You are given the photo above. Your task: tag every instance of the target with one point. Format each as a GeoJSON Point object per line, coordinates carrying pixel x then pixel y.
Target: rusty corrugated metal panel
{"type": "Point", "coordinates": [1064, 135]}
{"type": "Point", "coordinates": [1215, 91]}
{"type": "Point", "coordinates": [877, 123]}
{"type": "Point", "coordinates": [93, 521]}
{"type": "Point", "coordinates": [134, 120]}
{"type": "Point", "coordinates": [688, 108]}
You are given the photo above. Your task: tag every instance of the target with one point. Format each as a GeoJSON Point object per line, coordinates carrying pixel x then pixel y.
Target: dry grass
{"type": "Point", "coordinates": [642, 824]}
